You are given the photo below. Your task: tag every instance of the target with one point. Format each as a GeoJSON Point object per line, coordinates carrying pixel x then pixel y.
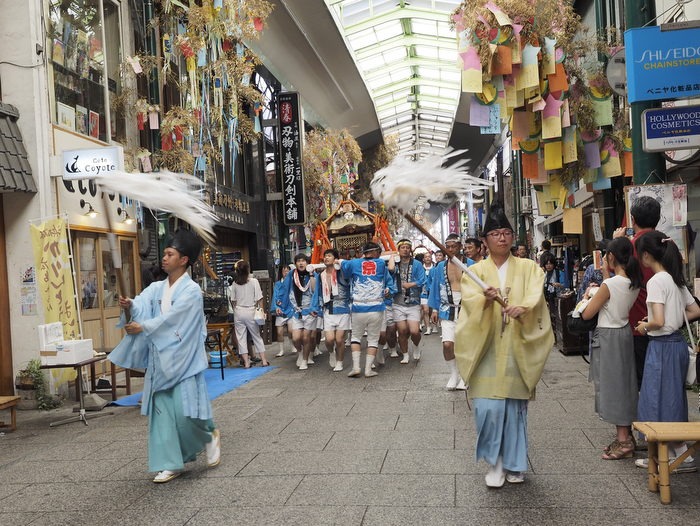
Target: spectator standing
{"type": "Point", "coordinates": [245, 296]}
{"type": "Point", "coordinates": [612, 368]}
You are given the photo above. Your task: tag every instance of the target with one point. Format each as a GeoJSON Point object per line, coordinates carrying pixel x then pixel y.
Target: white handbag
{"type": "Point", "coordinates": [260, 316]}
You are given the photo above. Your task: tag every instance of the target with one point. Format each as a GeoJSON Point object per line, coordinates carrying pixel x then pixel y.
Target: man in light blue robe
{"type": "Point", "coordinates": [165, 335]}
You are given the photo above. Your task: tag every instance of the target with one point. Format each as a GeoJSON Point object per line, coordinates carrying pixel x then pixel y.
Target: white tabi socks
{"type": "Point", "coordinates": [454, 375]}
{"type": "Point", "coordinates": [331, 358]}
{"type": "Point", "coordinates": [368, 366]}
{"type": "Point", "coordinates": [414, 349]}
{"type": "Point", "coordinates": [355, 364]}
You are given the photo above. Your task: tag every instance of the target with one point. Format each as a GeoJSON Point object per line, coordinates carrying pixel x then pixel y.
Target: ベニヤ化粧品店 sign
{"type": "Point", "coordinates": [290, 134]}
{"type": "Point", "coordinates": [662, 64]}
{"type": "Point", "coordinates": [666, 129]}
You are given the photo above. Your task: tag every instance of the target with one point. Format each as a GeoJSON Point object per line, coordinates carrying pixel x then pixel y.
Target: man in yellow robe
{"type": "Point", "coordinates": [500, 351]}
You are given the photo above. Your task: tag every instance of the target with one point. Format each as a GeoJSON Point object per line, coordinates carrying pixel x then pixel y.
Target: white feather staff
{"type": "Point", "coordinates": [404, 181]}
{"type": "Point", "coordinates": [179, 194]}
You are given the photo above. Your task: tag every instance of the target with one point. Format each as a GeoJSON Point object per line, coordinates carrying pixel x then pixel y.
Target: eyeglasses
{"type": "Point", "coordinates": [495, 234]}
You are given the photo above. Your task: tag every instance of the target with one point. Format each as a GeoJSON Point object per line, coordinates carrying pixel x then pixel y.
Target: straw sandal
{"type": "Point", "coordinates": [624, 449]}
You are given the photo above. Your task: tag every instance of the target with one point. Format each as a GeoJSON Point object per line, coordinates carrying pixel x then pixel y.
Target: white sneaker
{"type": "Point", "coordinates": [461, 386]}
{"type": "Point", "coordinates": [331, 359]}
{"type": "Point", "coordinates": [496, 477]}
{"type": "Point", "coordinates": [338, 367]}
{"type": "Point", "coordinates": [300, 358]}
{"type": "Point", "coordinates": [310, 361]}
{"type": "Point", "coordinates": [370, 374]}
{"type": "Point", "coordinates": [416, 354]}
{"type": "Point", "coordinates": [304, 365]}
{"type": "Point", "coordinates": [318, 352]}
{"type": "Point", "coordinates": [515, 478]}
{"type": "Point", "coordinates": [394, 354]}
{"type": "Point", "coordinates": [213, 449]}
{"type": "Point", "coordinates": [687, 466]}
{"type": "Point", "coordinates": [166, 476]}
{"type": "Point", "coordinates": [279, 354]}
{"type": "Point", "coordinates": [452, 382]}
{"type": "Point", "coordinates": [405, 358]}
{"type": "Point", "coordinates": [427, 332]}
{"type": "Point", "coordinates": [354, 373]}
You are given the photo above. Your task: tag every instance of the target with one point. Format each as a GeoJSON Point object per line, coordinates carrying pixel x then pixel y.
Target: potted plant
{"type": "Point", "coordinates": [31, 386]}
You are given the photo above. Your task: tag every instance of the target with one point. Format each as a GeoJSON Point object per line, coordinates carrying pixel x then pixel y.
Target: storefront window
{"type": "Point", "coordinates": [85, 49]}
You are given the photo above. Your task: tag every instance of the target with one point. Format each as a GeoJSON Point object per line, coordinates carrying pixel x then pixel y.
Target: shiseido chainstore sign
{"type": "Point", "coordinates": [82, 199]}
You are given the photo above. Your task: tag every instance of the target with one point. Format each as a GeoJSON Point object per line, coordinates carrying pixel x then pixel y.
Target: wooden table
{"type": "Point", "coordinates": [228, 335]}
{"type": "Point", "coordinates": [113, 377]}
{"type": "Point", "coordinates": [82, 415]}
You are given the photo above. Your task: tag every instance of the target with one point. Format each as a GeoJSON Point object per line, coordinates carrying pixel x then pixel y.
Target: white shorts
{"type": "Point", "coordinates": [336, 322]}
{"type": "Point", "coordinates": [280, 321]}
{"type": "Point", "coordinates": [307, 322]}
{"type": "Point", "coordinates": [448, 330]}
{"type": "Point", "coordinates": [406, 313]}
{"type": "Point", "coordinates": [367, 321]}
{"type": "Point", "coordinates": [388, 317]}
{"type": "Point", "coordinates": [319, 323]}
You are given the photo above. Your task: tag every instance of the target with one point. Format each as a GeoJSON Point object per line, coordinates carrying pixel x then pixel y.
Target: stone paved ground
{"type": "Point", "coordinates": [317, 447]}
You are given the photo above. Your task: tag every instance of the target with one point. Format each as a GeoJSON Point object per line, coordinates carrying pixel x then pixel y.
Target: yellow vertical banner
{"type": "Point", "coordinates": [54, 275]}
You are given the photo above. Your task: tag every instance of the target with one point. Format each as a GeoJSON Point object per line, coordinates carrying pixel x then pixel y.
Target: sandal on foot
{"type": "Point", "coordinates": [624, 449]}
{"type": "Point", "coordinates": [615, 443]}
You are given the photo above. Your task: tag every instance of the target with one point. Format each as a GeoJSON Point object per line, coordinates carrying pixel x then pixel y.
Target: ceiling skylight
{"type": "Point", "coordinates": [407, 55]}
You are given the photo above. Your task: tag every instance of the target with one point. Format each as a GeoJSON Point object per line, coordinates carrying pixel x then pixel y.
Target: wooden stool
{"type": "Point", "coordinates": [10, 402]}
{"type": "Point", "coordinates": [658, 435]}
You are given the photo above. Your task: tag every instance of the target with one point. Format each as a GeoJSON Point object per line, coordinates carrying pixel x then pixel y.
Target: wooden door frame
{"type": "Point", "coordinates": [6, 366]}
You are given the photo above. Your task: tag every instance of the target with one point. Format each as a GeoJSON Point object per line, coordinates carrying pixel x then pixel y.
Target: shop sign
{"type": "Point", "coordinates": [231, 207]}
{"type": "Point", "coordinates": [662, 64]}
{"type": "Point", "coordinates": [675, 128]}
{"type": "Point", "coordinates": [453, 220]}
{"type": "Point", "coordinates": [91, 162]}
{"type": "Point", "coordinates": [290, 137]}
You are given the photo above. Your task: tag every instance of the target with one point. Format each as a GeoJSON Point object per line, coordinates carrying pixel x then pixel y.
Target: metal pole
{"type": "Point", "coordinates": [646, 165]}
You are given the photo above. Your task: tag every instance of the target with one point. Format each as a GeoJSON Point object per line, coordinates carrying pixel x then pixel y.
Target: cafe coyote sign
{"type": "Point", "coordinates": [290, 137]}
{"type": "Point", "coordinates": [671, 128]}
{"type": "Point", "coordinates": [92, 162]}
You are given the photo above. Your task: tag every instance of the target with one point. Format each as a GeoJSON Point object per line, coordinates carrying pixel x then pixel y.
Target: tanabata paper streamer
{"type": "Point", "coordinates": [494, 125]}
{"type": "Point", "coordinates": [602, 183]}
{"type": "Point", "coordinates": [471, 73]}
{"type": "Point", "coordinates": [551, 118]}
{"type": "Point", "coordinates": [478, 113]}
{"type": "Point", "coordinates": [558, 80]}
{"type": "Point", "coordinates": [569, 149]}
{"type": "Point", "coordinates": [502, 63]}
{"type": "Point", "coordinates": [548, 58]}
{"type": "Point", "coordinates": [529, 163]}
{"type": "Point", "coordinates": [529, 74]}
{"type": "Point", "coordinates": [627, 157]}
{"type": "Point", "coordinates": [610, 159]}
{"type": "Point", "coordinates": [552, 155]}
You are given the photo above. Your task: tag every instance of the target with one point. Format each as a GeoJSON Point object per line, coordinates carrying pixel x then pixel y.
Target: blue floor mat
{"type": "Point", "coordinates": [233, 377]}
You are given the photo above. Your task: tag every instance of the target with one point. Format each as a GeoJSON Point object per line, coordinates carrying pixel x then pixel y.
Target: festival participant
{"type": "Point", "coordinates": [662, 397]}
{"type": "Point", "coordinates": [427, 260]}
{"type": "Point", "coordinates": [439, 256]}
{"type": "Point", "coordinates": [369, 278]}
{"type": "Point", "coordinates": [501, 351]}
{"type": "Point", "coordinates": [332, 296]}
{"type": "Point", "coordinates": [280, 321]}
{"type": "Point", "coordinates": [522, 251]}
{"type": "Point", "coordinates": [166, 337]}
{"type": "Point", "coordinates": [444, 303]}
{"type": "Point", "coordinates": [410, 278]}
{"type": "Point", "coordinates": [612, 350]}
{"type": "Point", "coordinates": [472, 248]}
{"type": "Point", "coordinates": [297, 293]}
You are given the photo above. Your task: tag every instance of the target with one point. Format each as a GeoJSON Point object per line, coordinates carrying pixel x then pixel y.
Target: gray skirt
{"type": "Point", "coordinates": [614, 375]}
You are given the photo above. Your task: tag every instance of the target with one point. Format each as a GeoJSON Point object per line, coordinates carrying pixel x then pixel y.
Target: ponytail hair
{"type": "Point", "coordinates": [662, 249]}
{"type": "Point", "coordinates": [623, 251]}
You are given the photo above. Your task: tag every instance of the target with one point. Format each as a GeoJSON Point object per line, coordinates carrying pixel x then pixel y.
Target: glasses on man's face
{"type": "Point", "coordinates": [495, 234]}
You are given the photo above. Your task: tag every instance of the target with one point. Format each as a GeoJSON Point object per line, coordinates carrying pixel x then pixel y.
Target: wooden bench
{"type": "Point", "coordinates": [10, 402]}
{"type": "Point", "coordinates": [658, 435]}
